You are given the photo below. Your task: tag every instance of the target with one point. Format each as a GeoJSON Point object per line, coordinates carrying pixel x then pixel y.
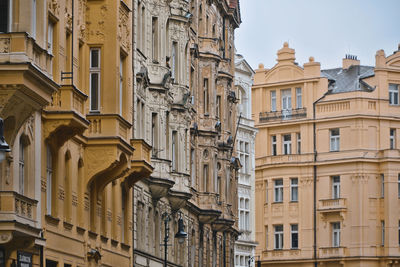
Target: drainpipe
{"type": "Point", "coordinates": [224, 248]}
{"type": "Point", "coordinates": [315, 180]}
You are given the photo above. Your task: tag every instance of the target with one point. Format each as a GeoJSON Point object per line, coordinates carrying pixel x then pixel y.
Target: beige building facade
{"type": "Point", "coordinates": [327, 162]}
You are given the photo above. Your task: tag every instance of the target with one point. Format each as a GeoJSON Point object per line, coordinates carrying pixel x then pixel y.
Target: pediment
{"type": "Point", "coordinates": [394, 60]}
{"type": "Point", "coordinates": [284, 73]}
{"type": "Point", "coordinates": [244, 67]}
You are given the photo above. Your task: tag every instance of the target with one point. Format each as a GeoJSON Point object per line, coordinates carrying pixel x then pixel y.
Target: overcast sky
{"type": "Point", "coordinates": [324, 29]}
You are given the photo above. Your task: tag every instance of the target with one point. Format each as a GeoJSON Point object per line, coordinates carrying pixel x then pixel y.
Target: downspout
{"type": "Point", "coordinates": [224, 248]}
{"type": "Point", "coordinates": [315, 180]}
{"type": "Point", "coordinates": [133, 122]}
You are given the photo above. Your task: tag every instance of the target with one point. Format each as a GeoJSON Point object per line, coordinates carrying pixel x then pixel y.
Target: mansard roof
{"type": "Point", "coordinates": [349, 80]}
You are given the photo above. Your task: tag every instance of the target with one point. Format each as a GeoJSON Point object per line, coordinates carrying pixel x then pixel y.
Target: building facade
{"type": "Point", "coordinates": [245, 146]}
{"type": "Point", "coordinates": [327, 162]}
{"type": "Point", "coordinates": [66, 94]}
{"type": "Point", "coordinates": [184, 95]}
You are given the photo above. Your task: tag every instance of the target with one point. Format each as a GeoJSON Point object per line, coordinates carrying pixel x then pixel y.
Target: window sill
{"type": "Point", "coordinates": [294, 201]}
{"type": "Point", "coordinates": [277, 202]}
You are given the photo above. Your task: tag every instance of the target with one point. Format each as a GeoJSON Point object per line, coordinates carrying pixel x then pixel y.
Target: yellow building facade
{"type": "Point", "coordinates": [327, 162]}
{"type": "Point", "coordinates": [66, 94]}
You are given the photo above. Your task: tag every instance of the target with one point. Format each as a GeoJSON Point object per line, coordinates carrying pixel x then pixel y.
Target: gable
{"type": "Point", "coordinates": [284, 73]}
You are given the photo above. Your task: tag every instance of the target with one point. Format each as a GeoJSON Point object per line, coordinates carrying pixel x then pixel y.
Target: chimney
{"type": "Point", "coordinates": [350, 60]}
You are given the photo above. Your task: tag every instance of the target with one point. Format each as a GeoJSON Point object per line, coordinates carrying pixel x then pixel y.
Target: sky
{"type": "Point", "coordinates": [324, 29]}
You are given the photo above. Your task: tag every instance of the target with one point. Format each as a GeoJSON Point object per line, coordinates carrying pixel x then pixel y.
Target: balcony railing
{"type": "Point", "coordinates": [330, 252]}
{"type": "Point", "coordinates": [331, 205]}
{"type": "Point", "coordinates": [283, 115]}
{"type": "Point", "coordinates": [18, 208]}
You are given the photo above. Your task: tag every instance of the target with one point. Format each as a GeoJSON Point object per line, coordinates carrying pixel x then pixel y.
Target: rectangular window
{"type": "Point", "coordinates": [299, 103]}
{"type": "Point", "coordinates": [286, 96]}
{"type": "Point", "coordinates": [205, 178]}
{"type": "Point", "coordinates": [218, 107]}
{"type": "Point", "coordinates": [49, 178]}
{"type": "Point", "coordinates": [121, 84]}
{"type": "Point", "coordinates": [335, 187]}
{"type": "Point", "coordinates": [298, 135]}
{"type": "Point", "coordinates": [273, 145]}
{"type": "Point", "coordinates": [294, 189]}
{"type": "Point", "coordinates": [383, 233]}
{"type": "Point", "coordinates": [154, 39]}
{"type": "Point", "coordinates": [21, 167]}
{"type": "Point", "coordinates": [154, 134]}
{"type": "Point", "coordinates": [336, 234]}
{"type": "Point", "coordinates": [278, 235]}
{"type": "Point", "coordinates": [205, 96]}
{"type": "Point", "coordinates": [219, 186]}
{"type": "Point", "coordinates": [278, 190]}
{"type": "Point", "coordinates": [50, 33]}
{"type": "Point", "coordinates": [266, 191]}
{"type": "Point", "coordinates": [266, 236]}
{"type": "Point", "coordinates": [273, 100]}
{"type": "Point", "coordinates": [5, 14]}
{"type": "Point", "coordinates": [294, 236]}
{"type": "Point", "coordinates": [174, 150]}
{"type": "Point", "coordinates": [392, 138]}
{"type": "Point", "coordinates": [382, 185]}
{"type": "Point", "coordinates": [94, 73]}
{"type": "Point", "coordinates": [174, 61]}
{"type": "Point", "coordinates": [287, 144]}
{"type": "Point", "coordinates": [393, 94]}
{"type": "Point", "coordinates": [193, 166]}
{"type": "Point", "coordinates": [33, 22]}
{"type": "Point", "coordinates": [334, 139]}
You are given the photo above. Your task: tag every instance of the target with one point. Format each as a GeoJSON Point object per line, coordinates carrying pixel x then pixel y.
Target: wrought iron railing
{"type": "Point", "coordinates": [283, 114]}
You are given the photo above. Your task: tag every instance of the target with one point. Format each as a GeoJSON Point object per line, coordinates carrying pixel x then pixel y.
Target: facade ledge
{"type": "Point", "coordinates": [52, 220]}
{"type": "Point", "coordinates": [332, 252]}
{"type": "Point", "coordinates": [159, 187]}
{"type": "Point", "coordinates": [178, 199]}
{"type": "Point", "coordinates": [222, 224]}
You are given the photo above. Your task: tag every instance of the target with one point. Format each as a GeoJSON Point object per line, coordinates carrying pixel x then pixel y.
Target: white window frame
{"type": "Point", "coordinates": [273, 100]}
{"type": "Point", "coordinates": [294, 230]}
{"type": "Point", "coordinates": [294, 189]}
{"type": "Point", "coordinates": [392, 138]}
{"type": "Point", "coordinates": [278, 190]}
{"type": "Point", "coordinates": [335, 187]}
{"type": "Point", "coordinates": [287, 144]}
{"type": "Point", "coordinates": [336, 234]}
{"type": "Point", "coordinates": [274, 146]}
{"type": "Point", "coordinates": [286, 97]}
{"type": "Point", "coordinates": [393, 94]}
{"type": "Point", "coordinates": [299, 100]}
{"type": "Point", "coordinates": [278, 236]}
{"type": "Point", "coordinates": [334, 139]}
{"type": "Point", "coordinates": [95, 70]}
{"type": "Point", "coordinates": [49, 178]}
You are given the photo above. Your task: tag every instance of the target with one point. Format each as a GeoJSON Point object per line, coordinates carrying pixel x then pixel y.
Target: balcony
{"type": "Point", "coordinates": [108, 125]}
{"type": "Point", "coordinates": [17, 216]}
{"type": "Point", "coordinates": [140, 164]}
{"type": "Point", "coordinates": [64, 118]}
{"type": "Point", "coordinates": [283, 115]}
{"type": "Point", "coordinates": [332, 205]}
{"type": "Point", "coordinates": [209, 46]}
{"type": "Point", "coordinates": [332, 252]}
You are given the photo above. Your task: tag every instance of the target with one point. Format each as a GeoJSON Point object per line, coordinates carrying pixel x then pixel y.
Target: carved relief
{"type": "Point", "coordinates": [74, 199]}
{"type": "Point", "coordinates": [54, 7]}
{"type": "Point", "coordinates": [43, 185]}
{"type": "Point", "coordinates": [4, 45]}
{"type": "Point", "coordinates": [124, 28]}
{"type": "Point", "coordinates": [61, 193]}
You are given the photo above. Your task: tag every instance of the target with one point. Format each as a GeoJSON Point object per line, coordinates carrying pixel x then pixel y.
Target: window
{"type": "Point", "coordinates": [398, 185]}
{"type": "Point", "coordinates": [383, 233]}
{"type": "Point", "coordinates": [218, 107]}
{"type": "Point", "coordinates": [335, 187]}
{"type": "Point", "coordinates": [393, 94]}
{"type": "Point", "coordinates": [50, 33]}
{"type": "Point", "coordinates": [123, 213]}
{"type": "Point", "coordinates": [294, 236]}
{"type": "Point", "coordinates": [266, 236]}
{"type": "Point", "coordinates": [219, 186]}
{"type": "Point", "coordinates": [298, 135]}
{"type": "Point", "coordinates": [278, 235]}
{"type": "Point", "coordinates": [154, 38]}
{"type": "Point", "coordinates": [273, 100]}
{"type": "Point", "coordinates": [154, 134]}
{"type": "Point", "coordinates": [33, 19]}
{"type": "Point", "coordinates": [286, 96]}
{"type": "Point", "coordinates": [298, 98]}
{"type": "Point", "coordinates": [278, 190]}
{"type": "Point", "coordinates": [49, 177]}
{"type": "Point", "coordinates": [334, 139]}
{"type": "Point", "coordinates": [241, 213]}
{"type": "Point", "coordinates": [174, 61]}
{"type": "Point", "coordinates": [205, 177]}
{"type": "Point", "coordinates": [382, 185]}
{"type": "Point", "coordinates": [392, 138]}
{"type": "Point", "coordinates": [205, 96]}
{"type": "Point", "coordinates": [121, 84]}
{"type": "Point", "coordinates": [336, 234]}
{"type": "Point", "coordinates": [294, 189]}
{"type": "Point", "coordinates": [94, 79]}
{"type": "Point", "coordinates": [174, 150]}
{"type": "Point", "coordinates": [247, 214]}
{"type": "Point", "coordinates": [21, 166]}
{"type": "Point", "coordinates": [266, 191]}
{"type": "Point", "coordinates": [287, 144]}
{"type": "Point", "coordinates": [5, 15]}
{"type": "Point", "coordinates": [273, 145]}
{"type": "Point", "coordinates": [193, 166]}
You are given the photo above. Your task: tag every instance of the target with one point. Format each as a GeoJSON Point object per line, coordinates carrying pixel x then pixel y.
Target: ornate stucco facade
{"type": "Point", "coordinates": [327, 162]}
{"type": "Point", "coordinates": [66, 92]}
{"type": "Point", "coordinates": [245, 148]}
{"type": "Point", "coordinates": [183, 67]}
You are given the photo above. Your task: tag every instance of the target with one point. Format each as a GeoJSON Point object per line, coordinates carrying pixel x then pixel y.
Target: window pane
{"type": "Point", "coordinates": [94, 91]}
{"type": "Point", "coordinates": [94, 58]}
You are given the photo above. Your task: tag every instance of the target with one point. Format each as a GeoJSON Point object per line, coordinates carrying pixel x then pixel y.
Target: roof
{"type": "Point", "coordinates": [349, 80]}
